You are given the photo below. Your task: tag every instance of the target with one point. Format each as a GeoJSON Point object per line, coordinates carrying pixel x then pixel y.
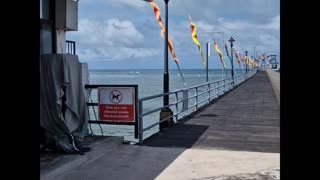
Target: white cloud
{"type": "Point", "coordinates": [203, 27]}
{"type": "Point", "coordinates": [110, 40]}
{"type": "Point", "coordinates": [210, 10]}
{"type": "Point", "coordinates": [236, 25]}
{"type": "Point", "coordinates": [273, 24]}
{"type": "Point", "coordinates": [112, 32]}
{"type": "Point", "coordinates": [247, 33]}
{"type": "Point", "coordinates": [139, 4]}
{"type": "Point", "coordinates": [129, 29]}
{"type": "Point", "coordinates": [113, 53]}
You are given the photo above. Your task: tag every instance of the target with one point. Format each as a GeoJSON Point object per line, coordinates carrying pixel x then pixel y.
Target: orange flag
{"type": "Point", "coordinates": [156, 11]}
{"type": "Point", "coordinates": [237, 58]}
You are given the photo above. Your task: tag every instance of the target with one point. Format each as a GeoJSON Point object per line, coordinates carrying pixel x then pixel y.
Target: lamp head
{"type": "Point", "coordinates": [231, 39]}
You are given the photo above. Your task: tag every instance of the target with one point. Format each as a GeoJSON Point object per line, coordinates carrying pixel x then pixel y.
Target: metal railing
{"type": "Point", "coordinates": [202, 94]}
{"type": "Point", "coordinates": [183, 103]}
{"type": "Point", "coordinates": [70, 47]}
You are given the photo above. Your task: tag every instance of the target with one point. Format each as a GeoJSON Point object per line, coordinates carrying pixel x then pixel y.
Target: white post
{"type": "Point", "coordinates": [61, 41]}
{"type": "Point", "coordinates": [85, 78]}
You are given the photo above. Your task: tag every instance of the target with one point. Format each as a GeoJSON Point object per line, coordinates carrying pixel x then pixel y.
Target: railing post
{"type": "Point", "coordinates": [228, 84]}
{"type": "Point", "coordinates": [74, 47]}
{"type": "Point", "coordinates": [177, 105]}
{"type": "Point", "coordinates": [225, 82]}
{"type": "Point", "coordinates": [140, 123]}
{"type": "Point", "coordinates": [208, 93]}
{"type": "Point", "coordinates": [237, 80]}
{"type": "Point", "coordinates": [217, 89]}
{"type": "Point", "coordinates": [224, 86]}
{"type": "Point", "coordinates": [196, 97]}
{"type": "Point", "coordinates": [220, 87]}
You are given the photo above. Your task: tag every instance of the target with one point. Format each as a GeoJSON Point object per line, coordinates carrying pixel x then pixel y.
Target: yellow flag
{"type": "Point", "coordinates": [237, 58]}
{"type": "Point", "coordinates": [220, 54]}
{"type": "Point", "coordinates": [194, 37]}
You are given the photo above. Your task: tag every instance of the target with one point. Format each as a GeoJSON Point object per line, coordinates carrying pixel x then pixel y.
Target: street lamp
{"type": "Point", "coordinates": [166, 111]}
{"type": "Point", "coordinates": [231, 45]}
{"type": "Point", "coordinates": [246, 60]}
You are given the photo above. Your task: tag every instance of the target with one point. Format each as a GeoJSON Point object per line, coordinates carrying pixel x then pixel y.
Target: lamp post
{"type": "Point", "coordinates": [166, 111]}
{"type": "Point", "coordinates": [246, 60]}
{"type": "Point", "coordinates": [231, 40]}
{"type": "Point", "coordinates": [166, 72]}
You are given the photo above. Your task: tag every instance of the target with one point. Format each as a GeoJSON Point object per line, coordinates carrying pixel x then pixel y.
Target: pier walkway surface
{"type": "Point", "coordinates": [237, 137]}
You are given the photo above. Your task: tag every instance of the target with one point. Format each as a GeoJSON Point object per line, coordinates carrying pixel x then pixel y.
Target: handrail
{"type": "Point", "coordinates": [213, 89]}
{"type": "Point", "coordinates": [227, 85]}
{"type": "Point", "coordinates": [70, 47]}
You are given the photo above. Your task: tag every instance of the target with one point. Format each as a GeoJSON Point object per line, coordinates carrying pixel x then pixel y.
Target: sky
{"type": "Point", "coordinates": [124, 34]}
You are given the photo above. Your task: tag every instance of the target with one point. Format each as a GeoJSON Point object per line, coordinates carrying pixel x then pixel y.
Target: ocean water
{"type": "Point", "coordinates": [150, 82]}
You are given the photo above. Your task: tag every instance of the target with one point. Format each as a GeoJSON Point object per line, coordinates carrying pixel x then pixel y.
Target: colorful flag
{"type": "Point", "coordinates": [225, 46]}
{"type": "Point", "coordinates": [194, 37]}
{"type": "Point", "coordinates": [237, 58]}
{"type": "Point", "coordinates": [220, 54]}
{"type": "Point", "coordinates": [243, 59]}
{"type": "Point", "coordinates": [156, 11]}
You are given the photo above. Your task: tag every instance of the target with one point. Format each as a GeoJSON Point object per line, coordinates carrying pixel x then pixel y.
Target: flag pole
{"type": "Point", "coordinates": [226, 74]}
{"type": "Point", "coordinates": [184, 82]}
{"type": "Point", "coordinates": [222, 71]}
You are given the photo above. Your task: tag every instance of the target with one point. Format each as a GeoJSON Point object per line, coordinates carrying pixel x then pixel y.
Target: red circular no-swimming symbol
{"type": "Point", "coordinates": [115, 96]}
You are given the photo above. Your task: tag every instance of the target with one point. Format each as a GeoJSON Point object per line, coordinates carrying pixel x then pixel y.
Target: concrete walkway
{"type": "Point", "coordinates": [239, 134]}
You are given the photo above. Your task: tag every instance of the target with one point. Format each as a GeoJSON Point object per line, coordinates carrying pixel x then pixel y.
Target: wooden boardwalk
{"type": "Point", "coordinates": [246, 119]}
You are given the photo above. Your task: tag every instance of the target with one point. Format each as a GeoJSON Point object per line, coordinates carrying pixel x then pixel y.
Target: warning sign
{"type": "Point", "coordinates": [116, 104]}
